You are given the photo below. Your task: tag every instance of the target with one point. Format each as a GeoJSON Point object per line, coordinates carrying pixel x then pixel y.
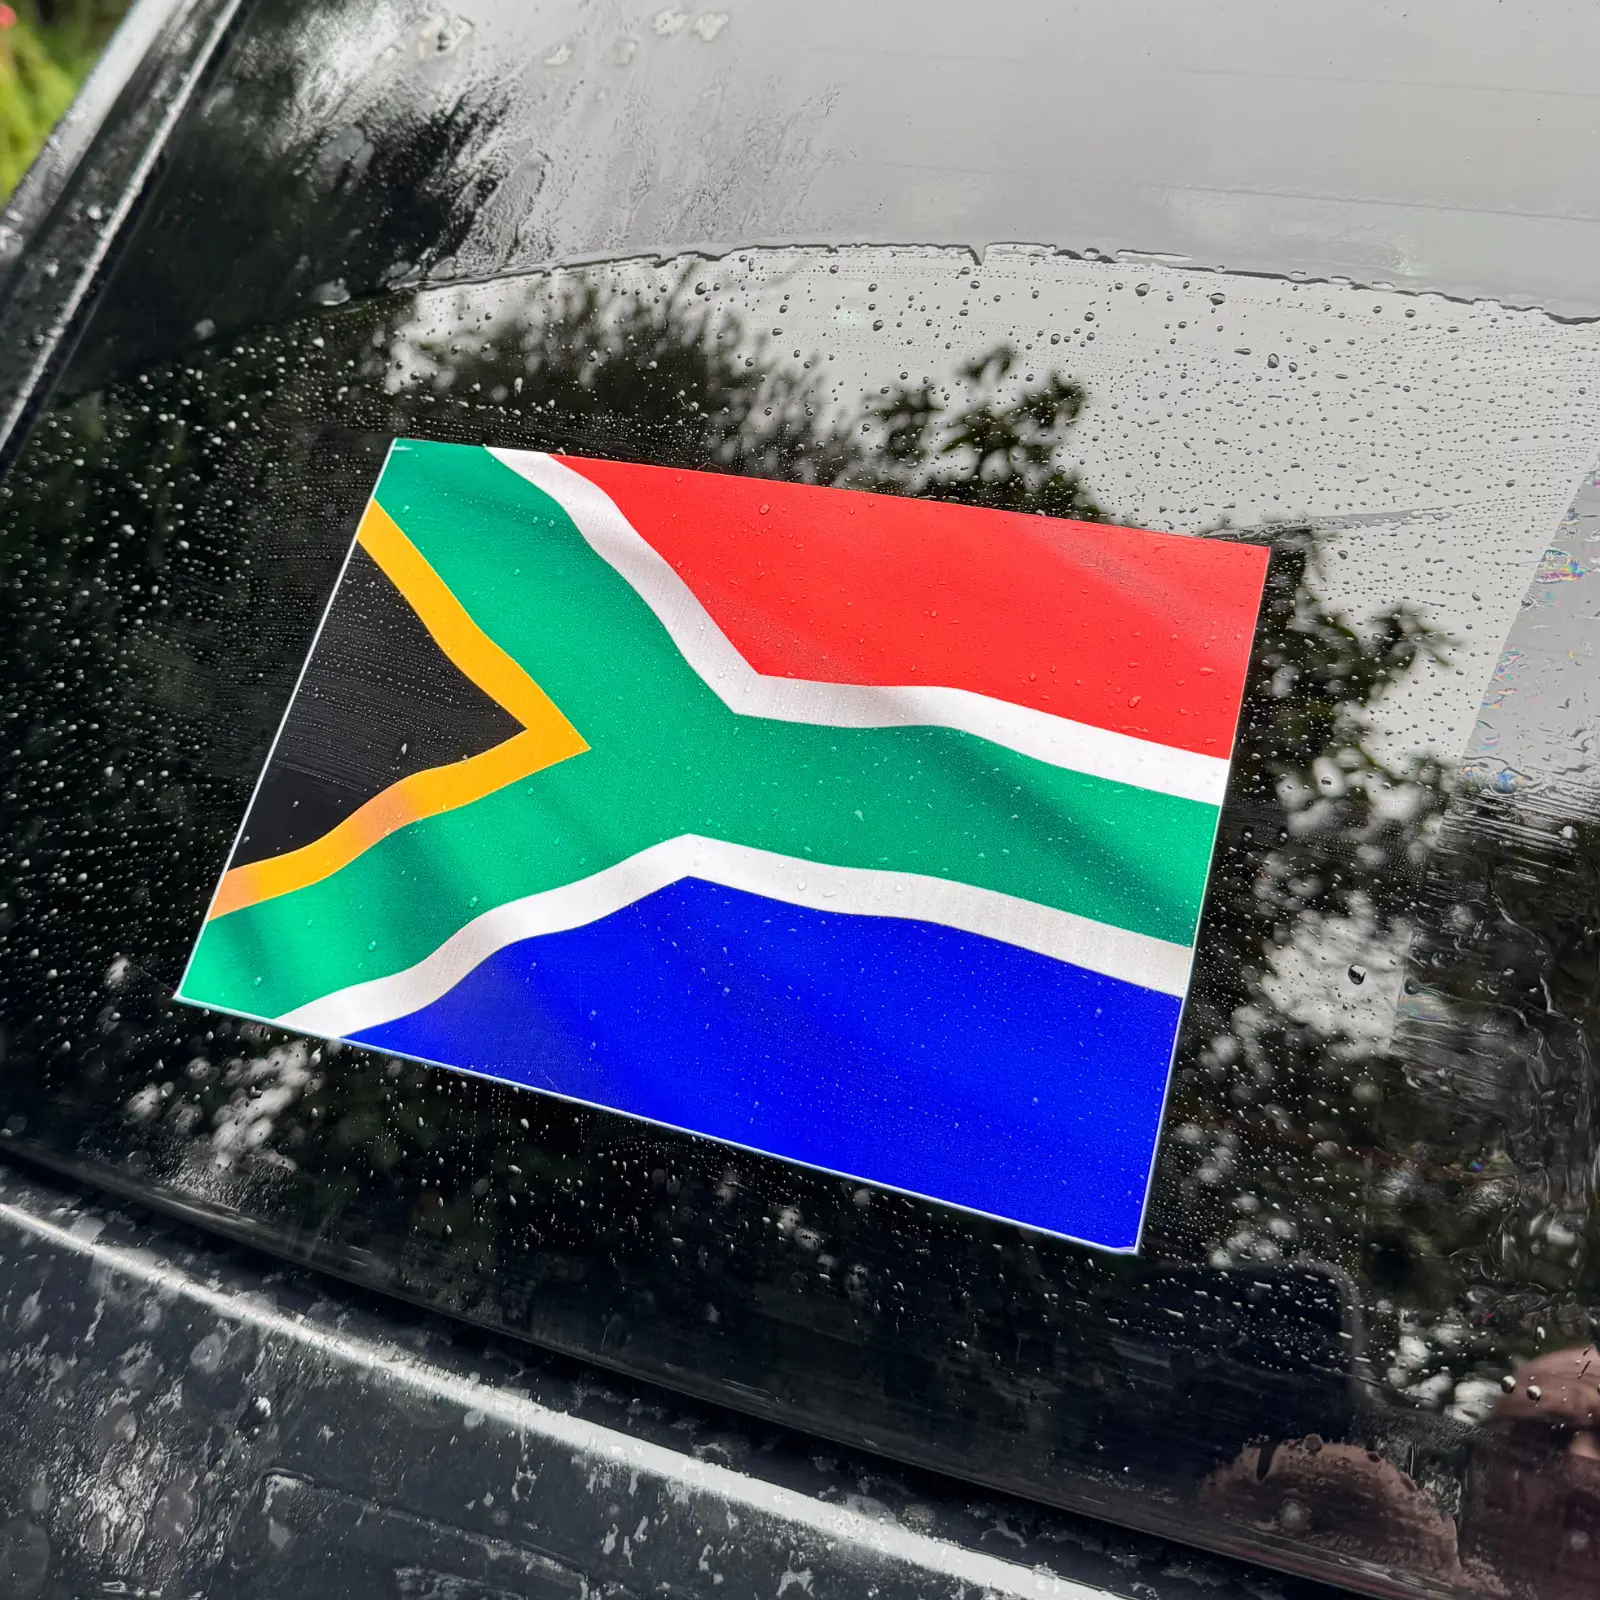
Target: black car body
{"type": "Point", "coordinates": [1319, 285]}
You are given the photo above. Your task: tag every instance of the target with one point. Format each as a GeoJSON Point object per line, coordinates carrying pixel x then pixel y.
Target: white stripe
{"type": "Point", "coordinates": [860, 891]}
{"type": "Point", "coordinates": [1079, 746]}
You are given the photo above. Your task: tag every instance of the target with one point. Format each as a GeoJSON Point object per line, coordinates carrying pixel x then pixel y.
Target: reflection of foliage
{"type": "Point", "coordinates": [659, 374]}
{"type": "Point", "coordinates": [1318, 829]}
{"type": "Point", "coordinates": [1275, 1113]}
{"type": "Point", "coordinates": [190, 474]}
{"type": "Point", "coordinates": [987, 452]}
{"type": "Point", "coordinates": [669, 376]}
{"type": "Point", "coordinates": [170, 538]}
{"type": "Point", "coordinates": [382, 187]}
{"type": "Point", "coordinates": [1499, 1035]}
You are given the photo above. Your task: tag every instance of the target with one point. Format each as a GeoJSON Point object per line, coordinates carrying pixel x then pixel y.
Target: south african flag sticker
{"type": "Point", "coordinates": [866, 832]}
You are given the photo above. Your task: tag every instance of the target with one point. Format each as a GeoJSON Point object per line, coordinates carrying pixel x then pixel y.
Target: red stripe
{"type": "Point", "coordinates": [1142, 633]}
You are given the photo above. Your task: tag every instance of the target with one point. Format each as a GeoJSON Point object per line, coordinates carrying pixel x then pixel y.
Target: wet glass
{"type": "Point", "coordinates": [872, 252]}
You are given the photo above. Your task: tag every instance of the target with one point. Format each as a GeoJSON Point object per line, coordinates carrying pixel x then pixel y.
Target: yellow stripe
{"type": "Point", "coordinates": [466, 644]}
{"type": "Point", "coordinates": [422, 794]}
{"type": "Point", "coordinates": [547, 736]}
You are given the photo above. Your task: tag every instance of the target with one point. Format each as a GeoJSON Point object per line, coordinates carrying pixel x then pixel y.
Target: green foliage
{"type": "Point", "coordinates": [46, 50]}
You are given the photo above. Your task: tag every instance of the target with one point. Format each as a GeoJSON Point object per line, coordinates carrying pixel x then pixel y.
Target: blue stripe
{"type": "Point", "coordinates": [899, 1052]}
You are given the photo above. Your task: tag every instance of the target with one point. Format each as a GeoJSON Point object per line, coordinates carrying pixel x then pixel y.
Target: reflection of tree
{"type": "Point", "coordinates": [1277, 1115]}
{"type": "Point", "coordinates": [284, 200]}
{"type": "Point", "coordinates": [264, 445]}
{"type": "Point", "coordinates": [101, 508]}
{"type": "Point", "coordinates": [1499, 1033]}
{"type": "Point", "coordinates": [660, 375]}
{"type": "Point", "coordinates": [984, 451]}
{"type": "Point", "coordinates": [669, 377]}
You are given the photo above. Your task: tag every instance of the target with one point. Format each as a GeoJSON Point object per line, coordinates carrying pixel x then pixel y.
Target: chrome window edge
{"type": "Point", "coordinates": [503, 1466]}
{"type": "Point", "coordinates": [57, 230]}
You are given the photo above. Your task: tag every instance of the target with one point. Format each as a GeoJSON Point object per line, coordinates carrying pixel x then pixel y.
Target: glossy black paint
{"type": "Point", "coordinates": [172, 525]}
{"type": "Point", "coordinates": [184, 1417]}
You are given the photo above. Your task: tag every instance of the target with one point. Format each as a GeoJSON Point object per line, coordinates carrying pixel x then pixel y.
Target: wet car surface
{"type": "Point", "coordinates": [1350, 322]}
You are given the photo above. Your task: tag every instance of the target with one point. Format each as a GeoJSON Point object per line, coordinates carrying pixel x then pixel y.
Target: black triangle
{"type": "Point", "coordinates": [379, 701]}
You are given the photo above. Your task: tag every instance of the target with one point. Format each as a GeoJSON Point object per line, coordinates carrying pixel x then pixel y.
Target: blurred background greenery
{"type": "Point", "coordinates": [46, 50]}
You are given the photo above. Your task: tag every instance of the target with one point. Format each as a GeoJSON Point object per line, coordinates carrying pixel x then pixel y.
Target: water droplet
{"type": "Point", "coordinates": [1293, 1517]}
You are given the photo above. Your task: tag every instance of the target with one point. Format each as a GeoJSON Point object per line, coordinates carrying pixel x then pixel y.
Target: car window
{"type": "Point", "coordinates": [1108, 266]}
